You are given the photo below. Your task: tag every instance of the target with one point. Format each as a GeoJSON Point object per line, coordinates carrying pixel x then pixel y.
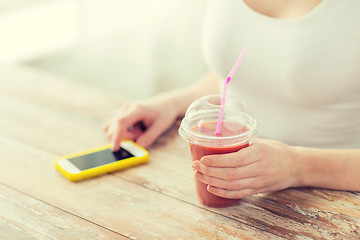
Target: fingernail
{"type": "Point", "coordinates": [196, 165]}
{"type": "Point", "coordinates": [211, 188]}
{"type": "Point", "coordinates": [203, 159]}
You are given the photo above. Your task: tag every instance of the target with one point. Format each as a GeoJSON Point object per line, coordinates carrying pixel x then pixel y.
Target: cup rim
{"type": "Point", "coordinates": [192, 136]}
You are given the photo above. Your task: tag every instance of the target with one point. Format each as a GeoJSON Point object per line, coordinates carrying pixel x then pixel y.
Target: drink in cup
{"type": "Point", "coordinates": [198, 127]}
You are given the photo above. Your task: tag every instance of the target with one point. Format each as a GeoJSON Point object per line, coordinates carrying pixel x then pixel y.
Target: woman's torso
{"type": "Point", "coordinates": [301, 76]}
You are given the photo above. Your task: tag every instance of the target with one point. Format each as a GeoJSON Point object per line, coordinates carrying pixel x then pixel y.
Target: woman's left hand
{"type": "Point", "coordinates": [264, 166]}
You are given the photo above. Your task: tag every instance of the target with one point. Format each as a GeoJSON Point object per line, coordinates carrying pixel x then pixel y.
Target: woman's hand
{"type": "Point", "coordinates": [141, 121]}
{"type": "Point", "coordinates": [264, 166]}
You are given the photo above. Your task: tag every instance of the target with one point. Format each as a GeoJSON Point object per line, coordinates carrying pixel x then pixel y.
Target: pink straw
{"type": "Point", "coordinates": [223, 99]}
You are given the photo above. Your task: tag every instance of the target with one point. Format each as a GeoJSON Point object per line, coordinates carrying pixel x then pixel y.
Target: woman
{"type": "Point", "coordinates": [301, 77]}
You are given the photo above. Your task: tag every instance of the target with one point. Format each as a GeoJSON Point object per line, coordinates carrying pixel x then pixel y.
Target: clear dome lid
{"type": "Point", "coordinates": [199, 124]}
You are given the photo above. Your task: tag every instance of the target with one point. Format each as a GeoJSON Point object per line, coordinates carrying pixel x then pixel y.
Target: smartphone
{"type": "Point", "coordinates": [100, 160]}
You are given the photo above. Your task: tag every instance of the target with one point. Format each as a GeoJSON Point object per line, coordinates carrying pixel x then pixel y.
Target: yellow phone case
{"type": "Point", "coordinates": [111, 167]}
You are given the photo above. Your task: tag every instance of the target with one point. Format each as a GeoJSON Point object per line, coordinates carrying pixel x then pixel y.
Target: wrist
{"type": "Point", "coordinates": [299, 171]}
{"type": "Point", "coordinates": [325, 168]}
{"type": "Point", "coordinates": [304, 168]}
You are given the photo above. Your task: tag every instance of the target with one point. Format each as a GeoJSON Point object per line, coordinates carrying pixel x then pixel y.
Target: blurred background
{"type": "Point", "coordinates": [136, 48]}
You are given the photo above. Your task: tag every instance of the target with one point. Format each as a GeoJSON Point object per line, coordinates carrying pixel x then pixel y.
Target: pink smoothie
{"type": "Point", "coordinates": [198, 151]}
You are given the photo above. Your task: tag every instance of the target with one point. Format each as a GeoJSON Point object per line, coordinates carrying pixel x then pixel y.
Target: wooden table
{"type": "Point", "coordinates": [43, 117]}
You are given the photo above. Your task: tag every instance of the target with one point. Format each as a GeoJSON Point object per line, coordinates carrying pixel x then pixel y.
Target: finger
{"type": "Point", "coordinates": [116, 139]}
{"type": "Point", "coordinates": [139, 126]}
{"type": "Point", "coordinates": [134, 134]}
{"type": "Point", "coordinates": [243, 157]}
{"type": "Point", "coordinates": [236, 194]}
{"type": "Point", "coordinates": [122, 127]}
{"type": "Point", "coordinates": [227, 173]}
{"type": "Point", "coordinates": [228, 185]}
{"type": "Point", "coordinates": [131, 134]}
{"type": "Point", "coordinates": [151, 134]}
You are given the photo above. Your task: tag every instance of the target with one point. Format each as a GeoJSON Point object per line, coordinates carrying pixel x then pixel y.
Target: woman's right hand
{"type": "Point", "coordinates": [141, 121]}
{"type": "Point", "coordinates": [144, 121]}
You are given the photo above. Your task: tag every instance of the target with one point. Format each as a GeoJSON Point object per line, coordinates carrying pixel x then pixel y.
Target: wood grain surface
{"type": "Point", "coordinates": [43, 117]}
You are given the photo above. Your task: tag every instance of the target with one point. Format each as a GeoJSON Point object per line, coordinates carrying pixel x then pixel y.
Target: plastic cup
{"type": "Point", "coordinates": [198, 128]}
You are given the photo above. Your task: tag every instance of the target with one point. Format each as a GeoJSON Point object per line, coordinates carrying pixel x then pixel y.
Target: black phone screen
{"type": "Point", "coordinates": [99, 158]}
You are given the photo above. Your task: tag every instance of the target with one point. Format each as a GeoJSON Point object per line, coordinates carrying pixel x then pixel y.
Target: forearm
{"type": "Point", "coordinates": [333, 169]}
{"type": "Point", "coordinates": [181, 98]}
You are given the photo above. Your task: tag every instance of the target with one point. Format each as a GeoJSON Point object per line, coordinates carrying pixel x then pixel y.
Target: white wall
{"type": "Point", "coordinates": [140, 46]}
{"type": "Point", "coordinates": [136, 48]}
{"type": "Point", "coordinates": [34, 28]}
